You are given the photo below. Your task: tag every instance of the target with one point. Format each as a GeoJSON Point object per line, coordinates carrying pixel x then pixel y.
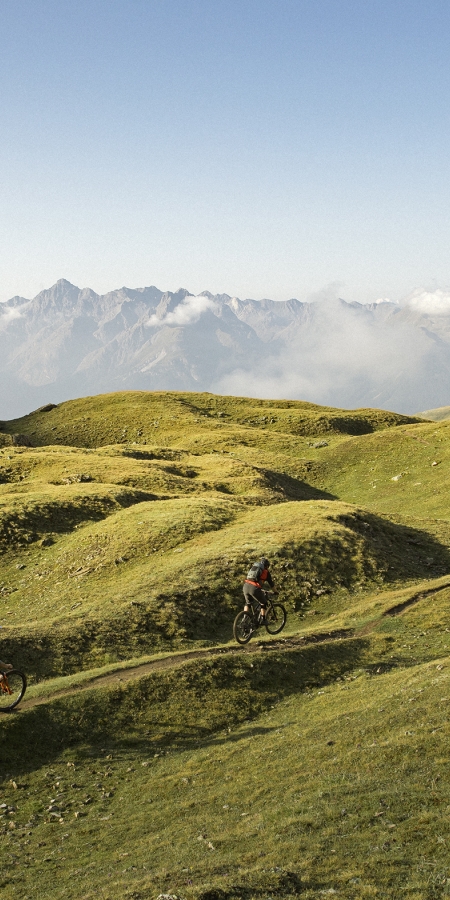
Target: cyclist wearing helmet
{"type": "Point", "coordinates": [257, 576]}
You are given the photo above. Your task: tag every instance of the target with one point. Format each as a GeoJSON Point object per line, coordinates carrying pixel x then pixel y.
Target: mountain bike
{"type": "Point", "coordinates": [246, 623]}
{"type": "Point", "coordinates": [13, 685]}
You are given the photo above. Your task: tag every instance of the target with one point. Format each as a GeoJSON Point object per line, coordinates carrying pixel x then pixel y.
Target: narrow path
{"type": "Point", "coordinates": [411, 601]}
{"type": "Point", "coordinates": [171, 662]}
{"type": "Point", "coordinates": [123, 676]}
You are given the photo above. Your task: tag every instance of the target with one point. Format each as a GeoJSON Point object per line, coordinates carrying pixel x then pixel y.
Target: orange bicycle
{"type": "Point", "coordinates": [13, 685]}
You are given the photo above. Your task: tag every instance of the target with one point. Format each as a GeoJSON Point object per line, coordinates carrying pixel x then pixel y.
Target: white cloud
{"type": "Point", "coordinates": [432, 302]}
{"type": "Point", "coordinates": [7, 314]}
{"type": "Point", "coordinates": [188, 311]}
{"type": "Point", "coordinates": [340, 356]}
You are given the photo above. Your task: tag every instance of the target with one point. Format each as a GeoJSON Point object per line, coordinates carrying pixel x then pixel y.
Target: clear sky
{"type": "Point", "coordinates": [264, 148]}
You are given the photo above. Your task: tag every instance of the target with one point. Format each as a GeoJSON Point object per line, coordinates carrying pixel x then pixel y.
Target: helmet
{"type": "Point", "coordinates": [265, 562]}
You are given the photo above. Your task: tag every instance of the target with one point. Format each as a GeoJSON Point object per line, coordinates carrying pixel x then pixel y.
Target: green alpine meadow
{"type": "Point", "coordinates": [152, 755]}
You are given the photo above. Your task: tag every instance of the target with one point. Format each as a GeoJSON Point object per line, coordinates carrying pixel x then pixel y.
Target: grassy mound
{"type": "Point", "coordinates": [154, 576]}
{"type": "Point", "coordinates": [308, 765]}
{"type": "Point", "coordinates": [167, 416]}
{"type": "Point", "coordinates": [436, 415]}
{"type": "Point", "coordinates": [322, 768]}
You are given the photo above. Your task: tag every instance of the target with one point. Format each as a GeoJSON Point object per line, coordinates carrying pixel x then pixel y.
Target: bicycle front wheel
{"type": "Point", "coordinates": [12, 688]}
{"type": "Point", "coordinates": [275, 618]}
{"type": "Point", "coordinates": [243, 627]}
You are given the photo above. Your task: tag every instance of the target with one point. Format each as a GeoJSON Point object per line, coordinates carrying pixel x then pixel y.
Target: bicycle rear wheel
{"type": "Point", "coordinates": [12, 688]}
{"type": "Point", "coordinates": [243, 627]}
{"type": "Point", "coordinates": [275, 618]}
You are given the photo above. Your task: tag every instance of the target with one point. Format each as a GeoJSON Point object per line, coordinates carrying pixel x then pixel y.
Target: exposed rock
{"type": "Point", "coordinates": [21, 440]}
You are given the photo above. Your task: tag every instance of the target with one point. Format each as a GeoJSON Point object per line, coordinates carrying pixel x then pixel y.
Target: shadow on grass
{"type": "Point", "coordinates": [294, 488]}
{"type": "Point", "coordinates": [180, 709]}
{"type": "Point", "coordinates": [397, 550]}
{"type": "Point", "coordinates": [367, 550]}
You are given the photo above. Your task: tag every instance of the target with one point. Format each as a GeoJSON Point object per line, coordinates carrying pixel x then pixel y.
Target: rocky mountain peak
{"type": "Point", "coordinates": [69, 341]}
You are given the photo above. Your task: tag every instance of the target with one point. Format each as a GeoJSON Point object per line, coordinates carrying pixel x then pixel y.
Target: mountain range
{"type": "Point", "coordinates": [69, 342]}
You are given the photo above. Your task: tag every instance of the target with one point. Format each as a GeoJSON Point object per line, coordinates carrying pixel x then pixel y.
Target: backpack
{"type": "Point", "coordinates": [255, 572]}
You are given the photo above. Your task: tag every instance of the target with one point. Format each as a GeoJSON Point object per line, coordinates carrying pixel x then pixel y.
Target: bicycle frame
{"type": "Point", "coordinates": [256, 606]}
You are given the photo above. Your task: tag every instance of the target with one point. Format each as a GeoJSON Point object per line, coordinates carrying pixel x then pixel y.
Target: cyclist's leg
{"type": "Point", "coordinates": [254, 593]}
{"type": "Point", "coordinates": [262, 599]}
{"type": "Point", "coordinates": [248, 608]}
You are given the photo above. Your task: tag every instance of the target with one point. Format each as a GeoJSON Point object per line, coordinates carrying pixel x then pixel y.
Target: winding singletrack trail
{"type": "Point", "coordinates": [122, 676]}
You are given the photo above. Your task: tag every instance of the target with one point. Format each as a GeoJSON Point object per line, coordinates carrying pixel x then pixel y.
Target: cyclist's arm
{"type": "Point", "coordinates": [270, 582]}
{"type": "Point", "coordinates": [5, 667]}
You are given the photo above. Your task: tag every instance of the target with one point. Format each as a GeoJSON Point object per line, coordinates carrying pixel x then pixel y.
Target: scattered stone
{"type": "Point", "coordinates": [168, 897]}
{"type": "Point", "coordinates": [77, 478]}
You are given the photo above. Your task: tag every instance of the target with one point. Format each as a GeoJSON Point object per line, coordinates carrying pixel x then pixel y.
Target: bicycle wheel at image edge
{"type": "Point", "coordinates": [275, 618]}
{"type": "Point", "coordinates": [242, 627]}
{"type": "Point", "coordinates": [12, 690]}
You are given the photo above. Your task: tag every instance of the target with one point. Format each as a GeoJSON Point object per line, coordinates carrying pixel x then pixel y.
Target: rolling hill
{"type": "Point", "coordinates": [151, 754]}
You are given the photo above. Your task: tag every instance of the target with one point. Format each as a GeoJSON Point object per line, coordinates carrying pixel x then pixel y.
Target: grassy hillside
{"type": "Point", "coordinates": [269, 774]}
{"type": "Point", "coordinates": [442, 412]}
{"type": "Point", "coordinates": [127, 523]}
{"type": "Point", "coordinates": [166, 416]}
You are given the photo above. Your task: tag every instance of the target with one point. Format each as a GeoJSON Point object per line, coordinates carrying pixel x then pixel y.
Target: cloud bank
{"type": "Point", "coordinates": [341, 357]}
{"type": "Point", "coordinates": [188, 311]}
{"type": "Point", "coordinates": [431, 302]}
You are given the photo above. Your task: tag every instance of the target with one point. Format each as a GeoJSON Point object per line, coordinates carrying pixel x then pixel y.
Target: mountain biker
{"type": "Point", "coordinates": [258, 575]}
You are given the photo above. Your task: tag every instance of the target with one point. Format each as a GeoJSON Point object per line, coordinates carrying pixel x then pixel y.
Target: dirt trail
{"type": "Point", "coordinates": [171, 662]}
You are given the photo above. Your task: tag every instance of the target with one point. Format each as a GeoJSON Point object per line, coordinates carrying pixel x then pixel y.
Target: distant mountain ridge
{"type": "Point", "coordinates": [69, 342]}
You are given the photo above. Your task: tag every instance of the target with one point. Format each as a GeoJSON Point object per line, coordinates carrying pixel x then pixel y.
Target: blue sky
{"type": "Point", "coordinates": [256, 148]}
